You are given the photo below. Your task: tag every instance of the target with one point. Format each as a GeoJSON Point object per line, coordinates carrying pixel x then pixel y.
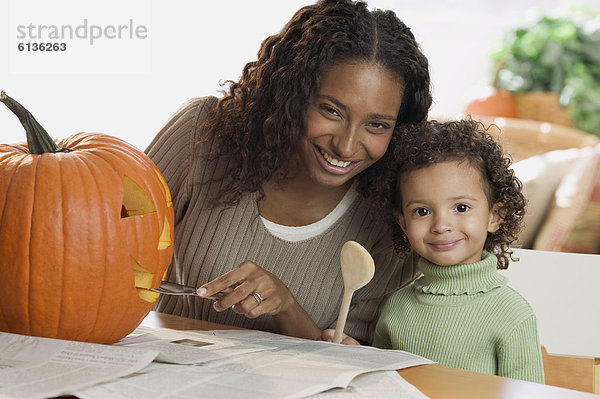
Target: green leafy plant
{"type": "Point", "coordinates": [556, 54]}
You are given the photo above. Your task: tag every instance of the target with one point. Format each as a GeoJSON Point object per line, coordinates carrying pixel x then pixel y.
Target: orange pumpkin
{"type": "Point", "coordinates": [493, 102]}
{"type": "Point", "coordinates": [85, 231]}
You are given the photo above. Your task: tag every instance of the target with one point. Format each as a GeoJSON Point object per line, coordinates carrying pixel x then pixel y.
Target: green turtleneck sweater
{"type": "Point", "coordinates": [464, 316]}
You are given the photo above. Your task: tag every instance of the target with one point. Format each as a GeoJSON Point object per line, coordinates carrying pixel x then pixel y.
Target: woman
{"type": "Point", "coordinates": [264, 179]}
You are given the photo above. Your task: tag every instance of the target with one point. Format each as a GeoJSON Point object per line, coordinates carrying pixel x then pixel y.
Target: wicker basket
{"type": "Point", "coordinates": [542, 106]}
{"type": "Point", "coordinates": [522, 138]}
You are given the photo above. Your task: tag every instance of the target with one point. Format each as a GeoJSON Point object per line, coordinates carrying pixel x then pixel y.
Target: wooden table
{"type": "Point", "coordinates": [433, 380]}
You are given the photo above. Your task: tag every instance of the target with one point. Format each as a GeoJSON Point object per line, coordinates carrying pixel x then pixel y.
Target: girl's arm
{"type": "Point", "coordinates": [381, 338]}
{"type": "Point", "coordinates": [520, 355]}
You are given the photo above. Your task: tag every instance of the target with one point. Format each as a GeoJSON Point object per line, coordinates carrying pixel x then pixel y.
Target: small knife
{"type": "Point", "coordinates": [169, 288]}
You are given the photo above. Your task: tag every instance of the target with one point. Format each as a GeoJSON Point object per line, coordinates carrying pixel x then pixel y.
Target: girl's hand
{"type": "Point", "coordinates": [250, 290]}
{"type": "Point", "coordinates": [327, 335]}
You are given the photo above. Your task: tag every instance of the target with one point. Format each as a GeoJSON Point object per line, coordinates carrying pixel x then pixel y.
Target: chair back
{"type": "Point", "coordinates": [562, 289]}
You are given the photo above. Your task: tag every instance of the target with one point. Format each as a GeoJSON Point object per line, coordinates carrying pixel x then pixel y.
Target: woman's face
{"type": "Point", "coordinates": [350, 122]}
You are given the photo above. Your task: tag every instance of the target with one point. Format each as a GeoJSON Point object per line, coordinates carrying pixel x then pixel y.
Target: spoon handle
{"type": "Point", "coordinates": [341, 321]}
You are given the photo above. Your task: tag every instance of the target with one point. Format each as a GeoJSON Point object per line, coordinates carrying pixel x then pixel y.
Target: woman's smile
{"type": "Point", "coordinates": [332, 164]}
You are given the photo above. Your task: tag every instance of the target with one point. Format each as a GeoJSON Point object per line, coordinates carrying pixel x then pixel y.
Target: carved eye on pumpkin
{"type": "Point", "coordinates": [136, 201]}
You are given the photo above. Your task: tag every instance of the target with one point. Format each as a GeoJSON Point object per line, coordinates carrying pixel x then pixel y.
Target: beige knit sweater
{"type": "Point", "coordinates": [210, 241]}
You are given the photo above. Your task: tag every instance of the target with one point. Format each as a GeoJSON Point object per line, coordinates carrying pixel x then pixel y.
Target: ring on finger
{"type": "Point", "coordinates": [257, 296]}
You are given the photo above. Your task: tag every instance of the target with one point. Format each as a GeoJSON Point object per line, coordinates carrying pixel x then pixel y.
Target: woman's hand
{"type": "Point", "coordinates": [327, 335]}
{"type": "Point", "coordinates": [250, 290]}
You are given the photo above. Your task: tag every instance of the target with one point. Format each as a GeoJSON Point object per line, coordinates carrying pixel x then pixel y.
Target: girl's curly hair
{"type": "Point", "coordinates": [416, 147]}
{"type": "Point", "coordinates": [261, 119]}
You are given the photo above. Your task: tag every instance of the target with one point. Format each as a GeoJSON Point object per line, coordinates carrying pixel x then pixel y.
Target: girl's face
{"type": "Point", "coordinates": [445, 212]}
{"type": "Point", "coordinates": [349, 123]}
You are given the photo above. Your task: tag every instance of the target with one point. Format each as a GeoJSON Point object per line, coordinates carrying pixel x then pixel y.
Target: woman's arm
{"type": "Point", "coordinates": [296, 322]}
{"type": "Point", "coordinates": [172, 149]}
{"type": "Point", "coordinates": [274, 298]}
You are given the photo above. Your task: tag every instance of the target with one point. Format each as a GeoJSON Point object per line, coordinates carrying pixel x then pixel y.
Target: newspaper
{"type": "Point", "coordinates": [33, 367]}
{"type": "Point", "coordinates": [378, 384]}
{"type": "Point", "coordinates": [181, 347]}
{"type": "Point", "coordinates": [178, 379]}
{"type": "Point", "coordinates": [290, 368]}
{"type": "Point", "coordinates": [167, 363]}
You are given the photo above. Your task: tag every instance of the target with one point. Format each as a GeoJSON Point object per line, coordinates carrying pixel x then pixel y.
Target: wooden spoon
{"type": "Point", "coordinates": [358, 269]}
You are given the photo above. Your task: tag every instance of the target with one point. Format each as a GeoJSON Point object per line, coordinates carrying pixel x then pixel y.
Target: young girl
{"type": "Point", "coordinates": [459, 206]}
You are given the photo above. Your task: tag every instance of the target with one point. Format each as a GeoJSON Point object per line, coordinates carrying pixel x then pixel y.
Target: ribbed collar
{"type": "Point", "coordinates": [465, 279]}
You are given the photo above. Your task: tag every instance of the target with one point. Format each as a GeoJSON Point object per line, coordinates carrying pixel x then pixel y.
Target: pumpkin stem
{"type": "Point", "coordinates": [38, 140]}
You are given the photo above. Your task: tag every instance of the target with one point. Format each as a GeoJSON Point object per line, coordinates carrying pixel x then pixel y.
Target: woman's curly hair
{"type": "Point", "coordinates": [416, 147]}
{"type": "Point", "coordinates": [261, 119]}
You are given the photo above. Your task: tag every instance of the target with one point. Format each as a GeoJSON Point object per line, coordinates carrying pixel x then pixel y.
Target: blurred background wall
{"type": "Point", "coordinates": [193, 45]}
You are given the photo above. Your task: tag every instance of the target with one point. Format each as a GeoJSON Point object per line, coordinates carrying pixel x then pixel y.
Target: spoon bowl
{"type": "Point", "coordinates": [358, 269]}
